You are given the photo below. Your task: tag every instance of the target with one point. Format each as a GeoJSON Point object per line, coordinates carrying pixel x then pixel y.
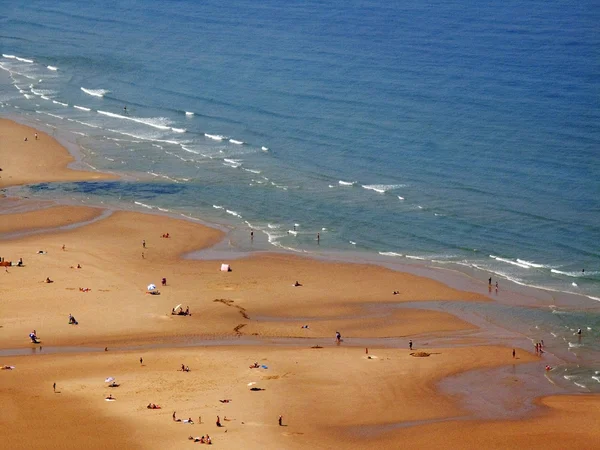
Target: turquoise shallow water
{"type": "Point", "coordinates": [444, 133]}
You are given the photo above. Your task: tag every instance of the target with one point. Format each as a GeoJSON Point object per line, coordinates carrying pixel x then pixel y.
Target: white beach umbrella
{"type": "Point", "coordinates": [109, 379]}
{"type": "Point", "coordinates": [177, 307]}
{"type": "Point", "coordinates": [151, 287]}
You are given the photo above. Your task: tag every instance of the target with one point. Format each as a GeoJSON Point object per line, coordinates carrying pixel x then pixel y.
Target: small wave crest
{"type": "Point", "coordinates": [189, 113]}
{"type": "Point", "coordinates": [30, 61]}
{"type": "Point", "coordinates": [233, 141]}
{"type": "Point", "coordinates": [510, 261]}
{"type": "Point", "coordinates": [9, 56]}
{"type": "Point", "coordinates": [52, 68]}
{"type": "Point", "coordinates": [346, 183]}
{"type": "Point", "coordinates": [381, 188]}
{"type": "Point", "coordinates": [83, 108]}
{"type": "Point", "coordinates": [390, 254]}
{"type": "Point", "coordinates": [214, 137]}
{"type": "Point", "coordinates": [95, 92]}
{"type": "Point", "coordinates": [572, 274]}
{"type": "Point", "coordinates": [531, 264]}
{"type": "Point", "coordinates": [233, 213]}
{"type": "Point", "coordinates": [60, 103]}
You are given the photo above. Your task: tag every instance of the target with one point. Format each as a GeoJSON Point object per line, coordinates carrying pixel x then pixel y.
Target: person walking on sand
{"type": "Point", "coordinates": [54, 387]}
{"type": "Point", "coordinates": [410, 344]}
{"type": "Point", "coordinates": [141, 361]}
{"type": "Point", "coordinates": [514, 353]}
{"type": "Point", "coordinates": [36, 136]}
{"type": "Point", "coordinates": [318, 238]}
{"type": "Point", "coordinates": [219, 422]}
{"type": "Point", "coordinates": [338, 337]}
{"type": "Point", "coordinates": [280, 421]}
{"type": "Point", "coordinates": [251, 235]}
{"type": "Point", "coordinates": [144, 243]}
{"type": "Point", "coordinates": [496, 287]}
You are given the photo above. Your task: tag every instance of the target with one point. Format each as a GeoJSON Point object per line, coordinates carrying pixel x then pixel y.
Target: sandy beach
{"type": "Point", "coordinates": [330, 395]}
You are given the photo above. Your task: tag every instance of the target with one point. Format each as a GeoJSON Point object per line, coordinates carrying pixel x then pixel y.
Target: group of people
{"type": "Point", "coordinates": [165, 235]}
{"type": "Point", "coordinates": [181, 312]}
{"type": "Point", "coordinates": [185, 368]}
{"type": "Point", "coordinates": [539, 347]}
{"type": "Point", "coordinates": [202, 440]}
{"type": "Point", "coordinates": [152, 406]}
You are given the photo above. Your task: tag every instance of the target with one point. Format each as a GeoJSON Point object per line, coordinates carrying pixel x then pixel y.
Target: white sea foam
{"type": "Point", "coordinates": [352, 242]}
{"type": "Point", "coordinates": [573, 274]}
{"type": "Point", "coordinates": [52, 68]}
{"type": "Point", "coordinates": [143, 204]}
{"type": "Point", "coordinates": [381, 188]}
{"type": "Point", "coordinates": [155, 122]}
{"type": "Point", "coordinates": [293, 232]}
{"type": "Point", "coordinates": [264, 149]}
{"type": "Point", "coordinates": [179, 130]}
{"type": "Point", "coordinates": [252, 170]}
{"type": "Point", "coordinates": [400, 198]}
{"type": "Point", "coordinates": [30, 61]}
{"type": "Point", "coordinates": [55, 115]}
{"type": "Point", "coordinates": [273, 227]}
{"type": "Point", "coordinates": [83, 108]}
{"type": "Point", "coordinates": [218, 207]}
{"type": "Point", "coordinates": [596, 378]}
{"type": "Point", "coordinates": [575, 345]}
{"type": "Point", "coordinates": [416, 257]}
{"type": "Point", "coordinates": [189, 150]}
{"type": "Point", "coordinates": [390, 254]}
{"type": "Point", "coordinates": [580, 385]}
{"type": "Point", "coordinates": [529, 263]}
{"type": "Point", "coordinates": [346, 183]}
{"type": "Point", "coordinates": [95, 92]}
{"type": "Point", "coordinates": [9, 56]}
{"type": "Point", "coordinates": [509, 261]}
{"type": "Point", "coordinates": [215, 137]}
{"type": "Point", "coordinates": [233, 141]}
{"type": "Point", "coordinates": [189, 113]}
{"type": "Point", "coordinates": [60, 103]}
{"type": "Point", "coordinates": [233, 213]}
{"type": "Point", "coordinates": [574, 284]}
{"type": "Point", "coordinates": [44, 97]}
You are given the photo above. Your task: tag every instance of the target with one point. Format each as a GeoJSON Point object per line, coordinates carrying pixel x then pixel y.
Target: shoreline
{"type": "Point", "coordinates": [120, 252]}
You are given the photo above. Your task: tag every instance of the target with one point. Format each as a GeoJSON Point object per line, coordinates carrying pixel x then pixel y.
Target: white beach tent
{"type": "Point", "coordinates": [225, 268]}
{"type": "Point", "coordinates": [151, 287]}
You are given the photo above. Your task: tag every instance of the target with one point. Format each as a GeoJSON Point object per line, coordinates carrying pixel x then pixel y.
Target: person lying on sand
{"type": "Point", "coordinates": [188, 420]}
{"type": "Point", "coordinates": [110, 397]}
{"type": "Point", "coordinates": [48, 280]}
{"type": "Point", "coordinates": [152, 406]}
{"type": "Point", "coordinates": [254, 366]}
{"type": "Point", "coordinates": [84, 289]}
{"type": "Point", "coordinates": [225, 400]}
{"type": "Point", "coordinates": [114, 384]}
{"type": "Point", "coordinates": [296, 284]}
{"type": "Point", "coordinates": [7, 367]}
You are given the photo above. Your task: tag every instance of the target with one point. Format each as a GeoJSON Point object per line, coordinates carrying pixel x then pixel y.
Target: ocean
{"type": "Point", "coordinates": [464, 135]}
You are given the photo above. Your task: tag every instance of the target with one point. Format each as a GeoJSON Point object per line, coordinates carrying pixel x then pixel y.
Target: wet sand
{"type": "Point", "coordinates": [336, 396]}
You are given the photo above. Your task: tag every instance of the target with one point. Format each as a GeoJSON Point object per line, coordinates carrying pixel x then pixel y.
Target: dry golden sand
{"type": "Point", "coordinates": [329, 396]}
{"type": "Point", "coordinates": [35, 161]}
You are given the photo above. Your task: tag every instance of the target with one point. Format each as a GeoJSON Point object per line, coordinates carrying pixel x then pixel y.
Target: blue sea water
{"type": "Point", "coordinates": [458, 133]}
